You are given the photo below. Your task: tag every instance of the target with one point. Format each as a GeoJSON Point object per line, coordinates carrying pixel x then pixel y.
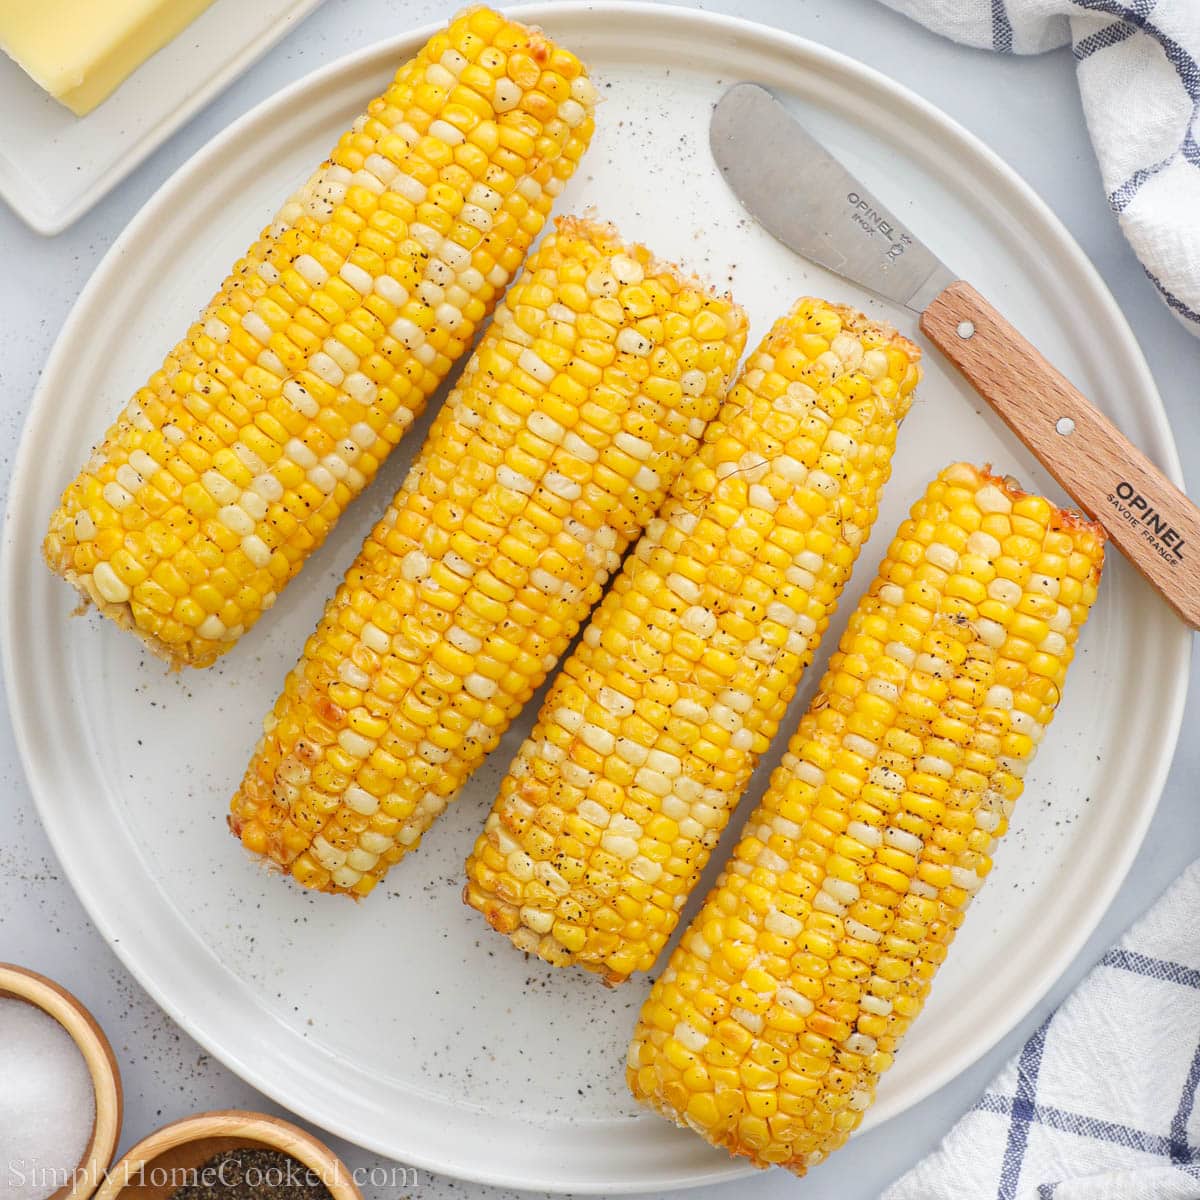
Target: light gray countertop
{"type": "Point", "coordinates": [1026, 109]}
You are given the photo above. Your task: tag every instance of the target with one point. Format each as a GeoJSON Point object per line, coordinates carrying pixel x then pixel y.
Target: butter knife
{"type": "Point", "coordinates": [805, 198]}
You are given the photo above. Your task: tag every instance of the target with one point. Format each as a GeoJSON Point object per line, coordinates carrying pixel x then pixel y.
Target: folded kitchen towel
{"type": "Point", "coordinates": [1101, 1102]}
{"type": "Point", "coordinates": [1138, 63]}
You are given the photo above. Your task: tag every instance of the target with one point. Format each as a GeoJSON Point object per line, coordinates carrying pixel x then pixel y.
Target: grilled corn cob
{"type": "Point", "coordinates": [593, 384]}
{"type": "Point", "coordinates": [786, 998]}
{"type": "Point", "coordinates": [232, 464]}
{"type": "Point", "coordinates": [656, 722]}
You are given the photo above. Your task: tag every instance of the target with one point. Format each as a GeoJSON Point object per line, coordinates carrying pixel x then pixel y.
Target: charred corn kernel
{"type": "Point", "coordinates": [445, 652]}
{"type": "Point", "coordinates": [324, 342]}
{"type": "Point", "coordinates": [889, 927]}
{"type": "Point", "coordinates": [720, 609]}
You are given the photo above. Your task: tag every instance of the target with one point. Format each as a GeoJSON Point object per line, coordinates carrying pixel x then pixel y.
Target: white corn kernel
{"type": "Point", "coordinates": [646, 869]}
{"type": "Point", "coordinates": [868, 835]}
{"type": "Point", "coordinates": [860, 1043]}
{"type": "Point", "coordinates": [661, 761]}
{"type": "Point", "coordinates": [480, 686]}
{"type": "Point", "coordinates": [460, 639]}
{"type": "Point", "coordinates": [597, 739]}
{"type": "Point", "coordinates": [646, 479]}
{"type": "Point", "coordinates": [445, 132]}
{"type": "Point", "coordinates": [991, 499]}
{"type": "Point", "coordinates": [901, 839]}
{"type": "Point", "coordinates": [562, 487]}
{"type": "Point", "coordinates": [546, 427]}
{"type": "Point", "coordinates": [941, 556]}
{"type": "Point", "coordinates": [415, 566]}
{"type": "Point", "coordinates": [361, 801]}
{"type": "Point", "coordinates": [793, 1001]}
{"type": "Point", "coordinates": [300, 399]}
{"type": "Point", "coordinates": [410, 335]}
{"type": "Point", "coordinates": [311, 270]}
{"type": "Point", "coordinates": [782, 925]}
{"type": "Point", "coordinates": [357, 278]}
{"type": "Point", "coordinates": [345, 877]}
{"type": "Point", "coordinates": [355, 744]}
{"type": "Point", "coordinates": [1005, 591]}
{"type": "Point", "coordinates": [330, 857]}
{"type": "Point", "coordinates": [375, 639]}
{"type": "Point", "coordinates": [627, 270]}
{"type": "Point", "coordinates": [506, 96]}
{"type": "Point", "coordinates": [683, 587]}
{"type": "Point", "coordinates": [652, 782]}
{"type": "Point", "coordinates": [614, 702]}
{"type": "Point", "coordinates": [219, 488]}
{"type": "Point", "coordinates": [689, 710]}
{"type": "Point", "coordinates": [236, 519]}
{"type": "Point", "coordinates": [372, 841]}
{"type": "Point", "coordinates": [630, 341]}
{"type": "Point", "coordinates": [624, 848]}
{"type": "Point", "coordinates": [514, 480]}
{"type": "Point", "coordinates": [256, 550]}
{"type": "Point", "coordinates": [573, 113]}
{"type": "Point", "coordinates": [595, 814]}
{"type": "Point", "coordinates": [690, 1037]}
{"type": "Point", "coordinates": [569, 719]}
{"type": "Point", "coordinates": [636, 447]}
{"type": "Point", "coordinates": [984, 545]}
{"type": "Point", "coordinates": [296, 450]}
{"type": "Point", "coordinates": [360, 860]}
{"type": "Point", "coordinates": [109, 584]}
{"type": "Point", "coordinates": [141, 462]}
{"type": "Point", "coordinates": [128, 478]}
{"type": "Point", "coordinates": [631, 751]}
{"type": "Point", "coordinates": [751, 1021]}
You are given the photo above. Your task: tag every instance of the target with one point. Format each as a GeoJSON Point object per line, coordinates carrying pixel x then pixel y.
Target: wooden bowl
{"type": "Point", "coordinates": [159, 1164]}
{"type": "Point", "coordinates": [21, 984]}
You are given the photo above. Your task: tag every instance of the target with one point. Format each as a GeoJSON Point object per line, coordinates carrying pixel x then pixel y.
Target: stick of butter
{"type": "Point", "coordinates": [80, 50]}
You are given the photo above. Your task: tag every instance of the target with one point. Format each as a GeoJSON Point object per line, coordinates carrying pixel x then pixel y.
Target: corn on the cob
{"type": "Point", "coordinates": [656, 722]}
{"type": "Point", "coordinates": [231, 465]}
{"type": "Point", "coordinates": [790, 990]}
{"type": "Point", "coordinates": [592, 386]}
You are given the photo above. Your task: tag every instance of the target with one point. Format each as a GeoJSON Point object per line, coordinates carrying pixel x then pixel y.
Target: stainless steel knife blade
{"type": "Point", "coordinates": [802, 195]}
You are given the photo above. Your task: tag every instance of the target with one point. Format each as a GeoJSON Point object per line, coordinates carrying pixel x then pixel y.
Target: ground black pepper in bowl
{"type": "Point", "coordinates": [253, 1175]}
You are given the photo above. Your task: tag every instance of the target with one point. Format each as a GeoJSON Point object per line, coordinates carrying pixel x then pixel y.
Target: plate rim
{"type": "Point", "coordinates": [703, 24]}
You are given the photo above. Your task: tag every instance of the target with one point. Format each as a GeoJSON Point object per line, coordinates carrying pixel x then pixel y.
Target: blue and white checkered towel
{"type": "Point", "coordinates": [1101, 1102]}
{"type": "Point", "coordinates": [1139, 74]}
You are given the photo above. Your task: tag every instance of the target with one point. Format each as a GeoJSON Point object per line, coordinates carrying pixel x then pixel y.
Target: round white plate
{"type": "Point", "coordinates": [402, 1023]}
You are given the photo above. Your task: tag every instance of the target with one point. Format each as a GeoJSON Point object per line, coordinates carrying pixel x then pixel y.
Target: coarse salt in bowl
{"type": "Point", "coordinates": [61, 1102]}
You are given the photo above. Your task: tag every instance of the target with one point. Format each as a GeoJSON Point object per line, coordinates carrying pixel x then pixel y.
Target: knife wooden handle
{"type": "Point", "coordinates": [1154, 524]}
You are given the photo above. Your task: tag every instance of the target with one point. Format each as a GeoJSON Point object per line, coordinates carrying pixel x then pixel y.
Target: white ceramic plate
{"type": "Point", "coordinates": [54, 165]}
{"type": "Point", "coordinates": [402, 1023]}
